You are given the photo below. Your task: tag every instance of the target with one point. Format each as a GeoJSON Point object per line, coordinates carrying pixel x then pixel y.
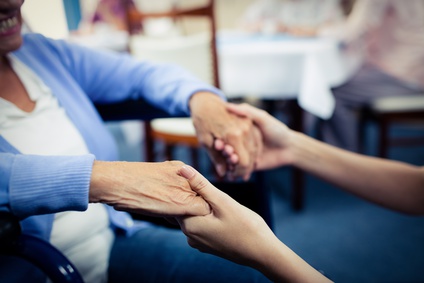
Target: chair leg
{"type": "Point", "coordinates": [383, 139]}
{"type": "Point", "coordinates": [168, 151]}
{"type": "Point", "coordinates": [362, 131]}
{"type": "Point", "coordinates": [298, 176]}
{"type": "Point", "coordinates": [195, 157]}
{"type": "Point", "coordinates": [148, 143]}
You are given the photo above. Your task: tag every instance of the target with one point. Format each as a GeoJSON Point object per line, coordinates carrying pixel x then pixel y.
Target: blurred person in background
{"type": "Point", "coordinates": [390, 36]}
{"type": "Point", "coordinates": [295, 17]}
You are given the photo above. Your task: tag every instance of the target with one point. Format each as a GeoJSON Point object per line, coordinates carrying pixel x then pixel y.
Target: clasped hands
{"type": "Point", "coordinates": [157, 189]}
{"type": "Point", "coordinates": [212, 221]}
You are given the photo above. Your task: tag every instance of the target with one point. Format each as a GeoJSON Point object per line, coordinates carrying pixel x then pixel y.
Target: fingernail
{"type": "Point", "coordinates": [187, 172]}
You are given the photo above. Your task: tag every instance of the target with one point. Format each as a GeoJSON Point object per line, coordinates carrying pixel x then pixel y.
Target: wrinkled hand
{"type": "Point", "coordinates": [212, 121]}
{"type": "Point", "coordinates": [148, 188]}
{"type": "Point", "coordinates": [231, 230]}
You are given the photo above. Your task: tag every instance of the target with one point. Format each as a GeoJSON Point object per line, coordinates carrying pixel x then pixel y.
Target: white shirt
{"type": "Point", "coordinates": [84, 237]}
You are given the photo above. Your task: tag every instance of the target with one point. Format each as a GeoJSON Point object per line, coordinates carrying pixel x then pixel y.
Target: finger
{"type": "Point", "coordinates": [219, 162]}
{"type": "Point", "coordinates": [238, 109]}
{"type": "Point", "coordinates": [216, 155]}
{"type": "Point", "coordinates": [244, 158]}
{"type": "Point", "coordinates": [255, 141]}
{"type": "Point", "coordinates": [201, 185]}
{"type": "Point", "coordinates": [219, 144]}
{"type": "Point", "coordinates": [256, 147]}
{"type": "Point", "coordinates": [197, 206]}
{"type": "Point", "coordinates": [247, 110]}
{"type": "Point", "coordinates": [234, 159]}
{"type": "Point", "coordinates": [228, 150]}
{"type": "Point", "coordinates": [239, 143]}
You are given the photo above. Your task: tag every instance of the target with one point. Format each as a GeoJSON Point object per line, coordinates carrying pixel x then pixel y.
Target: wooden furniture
{"type": "Point", "coordinates": [252, 194]}
{"type": "Point", "coordinates": [389, 111]}
{"type": "Point", "coordinates": [190, 51]}
{"type": "Point", "coordinates": [181, 50]}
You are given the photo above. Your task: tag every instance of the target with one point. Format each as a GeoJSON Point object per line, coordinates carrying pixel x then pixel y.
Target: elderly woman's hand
{"type": "Point", "coordinates": [147, 188]}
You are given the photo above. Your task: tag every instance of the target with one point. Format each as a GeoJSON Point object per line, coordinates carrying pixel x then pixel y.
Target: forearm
{"type": "Point", "coordinates": [202, 100]}
{"type": "Point", "coordinates": [280, 264]}
{"type": "Point", "coordinates": [393, 184]}
{"type": "Point", "coordinates": [167, 86]}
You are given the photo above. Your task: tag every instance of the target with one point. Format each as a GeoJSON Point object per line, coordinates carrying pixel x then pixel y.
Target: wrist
{"type": "Point", "coordinates": [303, 150]}
{"type": "Point", "coordinates": [288, 154]}
{"type": "Point", "coordinates": [204, 99]}
{"type": "Point", "coordinates": [271, 259]}
{"type": "Point", "coordinates": [103, 181]}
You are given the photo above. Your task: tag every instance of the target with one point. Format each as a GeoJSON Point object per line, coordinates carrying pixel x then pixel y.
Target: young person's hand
{"type": "Point", "coordinates": [231, 230]}
{"type": "Point", "coordinates": [273, 151]}
{"type": "Point", "coordinates": [234, 232]}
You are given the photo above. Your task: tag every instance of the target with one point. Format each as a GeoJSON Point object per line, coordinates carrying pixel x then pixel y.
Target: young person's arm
{"type": "Point", "coordinates": [393, 184]}
{"type": "Point", "coordinates": [234, 232]}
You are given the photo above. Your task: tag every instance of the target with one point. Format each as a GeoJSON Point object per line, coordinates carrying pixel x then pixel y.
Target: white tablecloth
{"type": "Point", "coordinates": [283, 67]}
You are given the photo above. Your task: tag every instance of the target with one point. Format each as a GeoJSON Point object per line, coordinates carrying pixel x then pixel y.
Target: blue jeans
{"type": "Point", "coordinates": [158, 254]}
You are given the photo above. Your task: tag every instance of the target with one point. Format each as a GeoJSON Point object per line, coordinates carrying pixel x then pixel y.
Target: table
{"type": "Point", "coordinates": [284, 67]}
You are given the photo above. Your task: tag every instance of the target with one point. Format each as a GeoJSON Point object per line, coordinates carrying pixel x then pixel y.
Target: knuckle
{"type": "Point", "coordinates": [175, 163]}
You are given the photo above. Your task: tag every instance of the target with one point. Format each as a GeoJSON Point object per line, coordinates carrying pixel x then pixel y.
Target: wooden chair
{"type": "Point", "coordinates": [389, 111]}
{"type": "Point", "coordinates": [172, 132]}
{"type": "Point", "coordinates": [180, 131]}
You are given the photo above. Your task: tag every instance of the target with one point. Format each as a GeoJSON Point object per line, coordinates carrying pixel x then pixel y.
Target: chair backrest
{"type": "Point", "coordinates": [195, 52]}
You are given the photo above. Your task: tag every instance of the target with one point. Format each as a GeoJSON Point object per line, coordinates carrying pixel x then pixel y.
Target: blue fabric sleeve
{"type": "Point", "coordinates": [108, 76]}
{"type": "Point", "coordinates": [34, 185]}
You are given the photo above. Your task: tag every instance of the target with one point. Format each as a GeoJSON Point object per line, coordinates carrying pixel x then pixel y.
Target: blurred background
{"type": "Point", "coordinates": [296, 61]}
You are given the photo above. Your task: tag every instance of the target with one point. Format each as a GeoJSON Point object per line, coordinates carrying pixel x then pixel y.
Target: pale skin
{"type": "Point", "coordinates": [238, 234]}
{"type": "Point", "coordinates": [213, 122]}
{"type": "Point", "coordinates": [149, 188]}
{"type": "Point", "coordinates": [393, 184]}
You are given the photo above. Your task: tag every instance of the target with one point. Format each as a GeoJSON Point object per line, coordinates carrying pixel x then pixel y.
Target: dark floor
{"type": "Point", "coordinates": [347, 238]}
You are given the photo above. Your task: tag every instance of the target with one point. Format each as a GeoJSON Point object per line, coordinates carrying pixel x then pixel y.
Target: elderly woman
{"type": "Point", "coordinates": [56, 153]}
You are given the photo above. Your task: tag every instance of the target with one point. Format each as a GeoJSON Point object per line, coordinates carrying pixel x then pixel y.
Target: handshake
{"type": "Point", "coordinates": [212, 221]}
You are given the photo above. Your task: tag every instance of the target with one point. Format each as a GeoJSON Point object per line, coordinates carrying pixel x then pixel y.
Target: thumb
{"type": "Point", "coordinates": [246, 110]}
{"type": "Point", "coordinates": [201, 185]}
